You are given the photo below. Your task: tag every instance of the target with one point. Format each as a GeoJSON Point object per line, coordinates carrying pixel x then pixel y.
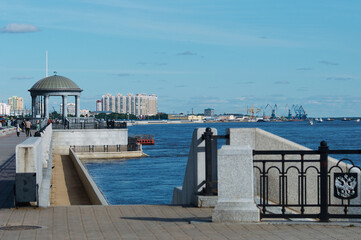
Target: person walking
{"type": "Point", "coordinates": [37, 125]}
{"type": "Point", "coordinates": [18, 129]}
{"type": "Point", "coordinates": [27, 127]}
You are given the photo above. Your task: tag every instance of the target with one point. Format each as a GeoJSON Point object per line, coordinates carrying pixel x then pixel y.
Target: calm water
{"type": "Point", "coordinates": [150, 180]}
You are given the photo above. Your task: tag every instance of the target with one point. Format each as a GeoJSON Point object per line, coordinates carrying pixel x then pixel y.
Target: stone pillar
{"type": "Point", "coordinates": [235, 186]}
{"type": "Point", "coordinates": [77, 106]}
{"type": "Point", "coordinates": [46, 106]}
{"type": "Point", "coordinates": [65, 105]}
{"type": "Point", "coordinates": [33, 106]}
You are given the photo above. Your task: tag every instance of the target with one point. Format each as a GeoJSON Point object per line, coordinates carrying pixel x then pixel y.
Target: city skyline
{"type": "Point", "coordinates": [224, 55]}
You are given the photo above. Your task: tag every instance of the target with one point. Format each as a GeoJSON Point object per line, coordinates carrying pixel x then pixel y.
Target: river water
{"type": "Point", "coordinates": [150, 180]}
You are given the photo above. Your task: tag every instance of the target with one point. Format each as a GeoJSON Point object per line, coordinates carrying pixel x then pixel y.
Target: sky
{"type": "Point", "coordinates": [193, 54]}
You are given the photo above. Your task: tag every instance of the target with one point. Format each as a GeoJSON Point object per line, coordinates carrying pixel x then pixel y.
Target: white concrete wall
{"type": "Point", "coordinates": [195, 170]}
{"type": "Point", "coordinates": [63, 139]}
{"type": "Point", "coordinates": [29, 158]}
{"type": "Point", "coordinates": [7, 131]}
{"type": "Point", "coordinates": [34, 156]}
{"type": "Point", "coordinates": [259, 139]}
{"type": "Point", "coordinates": [95, 195]}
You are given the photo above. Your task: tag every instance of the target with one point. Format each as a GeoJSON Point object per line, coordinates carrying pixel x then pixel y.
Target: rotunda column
{"type": "Point", "coordinates": [33, 106]}
{"type": "Point", "coordinates": [77, 106]}
{"type": "Point", "coordinates": [46, 106]}
{"type": "Point", "coordinates": [65, 105]}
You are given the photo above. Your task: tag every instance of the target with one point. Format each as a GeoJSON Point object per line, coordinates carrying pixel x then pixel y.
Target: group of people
{"type": "Point", "coordinates": [26, 125]}
{"type": "Point", "coordinates": [110, 123]}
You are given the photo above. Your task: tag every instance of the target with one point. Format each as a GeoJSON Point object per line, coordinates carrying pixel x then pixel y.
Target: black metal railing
{"type": "Point", "coordinates": [87, 123]}
{"type": "Point", "coordinates": [107, 148]}
{"type": "Point", "coordinates": [210, 141]}
{"type": "Point", "coordinates": [301, 184]}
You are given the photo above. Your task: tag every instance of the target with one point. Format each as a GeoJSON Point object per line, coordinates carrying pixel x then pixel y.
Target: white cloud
{"type": "Point", "coordinates": [19, 28]}
{"type": "Point", "coordinates": [21, 78]}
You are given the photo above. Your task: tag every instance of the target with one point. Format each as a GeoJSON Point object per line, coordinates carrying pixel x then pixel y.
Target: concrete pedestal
{"type": "Point", "coordinates": [235, 186]}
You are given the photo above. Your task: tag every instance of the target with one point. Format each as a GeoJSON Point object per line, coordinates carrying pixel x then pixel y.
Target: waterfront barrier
{"type": "Point", "coordinates": [33, 169]}
{"type": "Point", "coordinates": [281, 182]}
{"type": "Point", "coordinates": [63, 139]}
{"type": "Point", "coordinates": [194, 178]}
{"type": "Point", "coordinates": [95, 195]}
{"type": "Point", "coordinates": [133, 150]}
{"type": "Point", "coordinates": [7, 131]}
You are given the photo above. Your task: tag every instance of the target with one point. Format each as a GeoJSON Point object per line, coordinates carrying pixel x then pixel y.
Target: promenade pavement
{"type": "Point", "coordinates": [138, 221]}
{"type": "Point", "coordinates": [152, 222]}
{"type": "Point", "coordinates": [7, 168]}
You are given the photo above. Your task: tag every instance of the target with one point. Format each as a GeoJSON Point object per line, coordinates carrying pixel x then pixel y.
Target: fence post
{"type": "Point", "coordinates": [323, 148]}
{"type": "Point", "coordinates": [207, 136]}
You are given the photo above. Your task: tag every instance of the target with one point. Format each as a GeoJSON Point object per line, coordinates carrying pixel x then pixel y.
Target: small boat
{"type": "Point", "coordinates": [357, 120]}
{"type": "Point", "coordinates": [145, 139]}
{"type": "Point", "coordinates": [346, 119]}
{"type": "Point", "coordinates": [319, 120]}
{"type": "Point", "coordinates": [310, 122]}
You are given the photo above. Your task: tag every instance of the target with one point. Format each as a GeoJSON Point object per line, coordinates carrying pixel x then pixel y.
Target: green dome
{"type": "Point", "coordinates": [55, 83]}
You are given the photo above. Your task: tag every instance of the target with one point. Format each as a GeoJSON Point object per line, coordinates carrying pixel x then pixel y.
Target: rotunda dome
{"type": "Point", "coordinates": [55, 83]}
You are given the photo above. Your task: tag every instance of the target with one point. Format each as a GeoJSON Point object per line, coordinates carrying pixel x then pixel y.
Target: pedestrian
{"type": "Point", "coordinates": [37, 125]}
{"type": "Point", "coordinates": [22, 125]}
{"type": "Point", "coordinates": [18, 129]}
{"type": "Point", "coordinates": [27, 127]}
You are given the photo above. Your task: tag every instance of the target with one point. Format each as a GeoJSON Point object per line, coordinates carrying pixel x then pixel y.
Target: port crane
{"type": "Point", "coordinates": [252, 112]}
{"type": "Point", "coordinates": [300, 112]}
{"type": "Point", "coordinates": [273, 111]}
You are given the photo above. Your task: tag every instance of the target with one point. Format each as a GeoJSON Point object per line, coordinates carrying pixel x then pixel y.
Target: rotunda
{"type": "Point", "coordinates": [54, 86]}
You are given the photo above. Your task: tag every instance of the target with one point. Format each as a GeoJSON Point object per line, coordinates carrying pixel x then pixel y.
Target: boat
{"type": "Point", "coordinates": [319, 120]}
{"type": "Point", "coordinates": [310, 122]}
{"type": "Point", "coordinates": [357, 120]}
{"type": "Point", "coordinates": [346, 119]}
{"type": "Point", "coordinates": [145, 139]}
{"type": "Point", "coordinates": [330, 119]}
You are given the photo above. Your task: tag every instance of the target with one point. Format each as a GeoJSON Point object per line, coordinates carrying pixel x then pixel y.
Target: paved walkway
{"type": "Point", "coordinates": [7, 168]}
{"type": "Point", "coordinates": [67, 189]}
{"type": "Point", "coordinates": [151, 222]}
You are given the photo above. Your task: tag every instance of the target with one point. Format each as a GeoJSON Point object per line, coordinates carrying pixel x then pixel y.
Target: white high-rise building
{"type": "Point", "coordinates": [99, 105]}
{"type": "Point", "coordinates": [139, 104]}
{"type": "Point", "coordinates": [4, 109]}
{"type": "Point", "coordinates": [70, 108]}
{"type": "Point", "coordinates": [16, 103]}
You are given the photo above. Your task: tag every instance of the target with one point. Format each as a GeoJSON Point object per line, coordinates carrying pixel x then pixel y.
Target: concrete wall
{"type": "Point", "coordinates": [195, 170]}
{"type": "Point", "coordinates": [95, 195]}
{"type": "Point", "coordinates": [29, 158]}
{"type": "Point", "coordinates": [7, 131]}
{"type": "Point", "coordinates": [259, 139]}
{"type": "Point", "coordinates": [63, 139]}
{"type": "Point", "coordinates": [34, 156]}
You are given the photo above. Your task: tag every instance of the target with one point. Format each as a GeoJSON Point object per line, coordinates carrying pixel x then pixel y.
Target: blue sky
{"type": "Point", "coordinates": [225, 55]}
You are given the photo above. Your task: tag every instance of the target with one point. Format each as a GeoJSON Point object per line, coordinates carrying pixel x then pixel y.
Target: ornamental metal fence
{"type": "Point", "coordinates": [306, 184]}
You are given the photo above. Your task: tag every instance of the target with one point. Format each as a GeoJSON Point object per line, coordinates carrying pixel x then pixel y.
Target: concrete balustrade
{"type": "Point", "coordinates": [95, 195]}
{"type": "Point", "coordinates": [195, 173]}
{"type": "Point", "coordinates": [235, 186]}
{"type": "Point", "coordinates": [7, 131]}
{"type": "Point", "coordinates": [238, 180]}
{"type": "Point", "coordinates": [259, 139]}
{"type": "Point", "coordinates": [63, 139]}
{"type": "Point", "coordinates": [29, 158]}
{"type": "Point", "coordinates": [34, 155]}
